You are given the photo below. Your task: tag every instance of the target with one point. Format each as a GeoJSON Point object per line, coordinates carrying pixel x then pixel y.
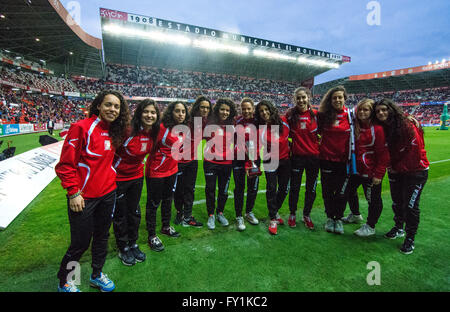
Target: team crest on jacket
{"type": "Point", "coordinates": [143, 147]}
{"type": "Point", "coordinates": [303, 125]}
{"type": "Point", "coordinates": [107, 145]}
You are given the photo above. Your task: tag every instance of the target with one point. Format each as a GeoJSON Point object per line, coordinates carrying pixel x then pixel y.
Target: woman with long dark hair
{"type": "Point", "coordinates": [86, 172]}
{"type": "Point", "coordinates": [334, 150]}
{"type": "Point", "coordinates": [161, 174]}
{"type": "Point", "coordinates": [246, 137]}
{"type": "Point", "coordinates": [273, 137]}
{"type": "Point", "coordinates": [218, 155]}
{"type": "Point", "coordinates": [408, 171]}
{"type": "Point", "coordinates": [302, 119]}
{"type": "Point", "coordinates": [187, 168]}
{"type": "Point", "coordinates": [372, 159]}
{"type": "Point", "coordinates": [129, 164]}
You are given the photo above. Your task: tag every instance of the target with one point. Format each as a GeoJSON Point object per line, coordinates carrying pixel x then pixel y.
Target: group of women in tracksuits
{"type": "Point", "coordinates": [103, 158]}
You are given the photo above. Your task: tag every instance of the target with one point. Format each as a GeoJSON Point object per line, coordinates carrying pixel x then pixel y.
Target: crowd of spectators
{"type": "Point", "coordinates": [165, 83]}
{"type": "Point", "coordinates": [20, 106]}
{"type": "Point", "coordinates": [36, 80]}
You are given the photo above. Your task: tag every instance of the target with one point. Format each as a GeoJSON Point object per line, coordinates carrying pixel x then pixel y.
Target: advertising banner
{"type": "Point", "coordinates": [26, 128]}
{"type": "Point", "coordinates": [434, 103]}
{"type": "Point", "coordinates": [399, 72]}
{"type": "Point", "coordinates": [23, 177]}
{"type": "Point", "coordinates": [11, 129]}
{"type": "Point", "coordinates": [42, 127]}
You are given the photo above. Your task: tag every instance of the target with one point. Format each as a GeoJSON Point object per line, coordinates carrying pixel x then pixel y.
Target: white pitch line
{"type": "Point", "coordinates": [439, 161]}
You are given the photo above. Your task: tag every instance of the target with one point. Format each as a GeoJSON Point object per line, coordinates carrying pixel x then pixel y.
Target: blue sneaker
{"type": "Point", "coordinates": [103, 283]}
{"type": "Point", "coordinates": [68, 287]}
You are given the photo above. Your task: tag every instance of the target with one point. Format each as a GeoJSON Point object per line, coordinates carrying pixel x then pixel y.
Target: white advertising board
{"type": "Point", "coordinates": [23, 177]}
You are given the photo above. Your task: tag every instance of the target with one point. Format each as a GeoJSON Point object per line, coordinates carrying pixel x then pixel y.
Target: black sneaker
{"type": "Point", "coordinates": [127, 256]}
{"type": "Point", "coordinates": [191, 222]}
{"type": "Point", "coordinates": [178, 218]}
{"type": "Point", "coordinates": [137, 253]}
{"type": "Point", "coordinates": [170, 231]}
{"type": "Point", "coordinates": [394, 233]}
{"type": "Point", "coordinates": [408, 246]}
{"type": "Point", "coordinates": [155, 244]}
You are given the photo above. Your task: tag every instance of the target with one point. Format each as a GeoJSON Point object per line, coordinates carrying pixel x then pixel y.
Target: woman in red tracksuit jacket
{"type": "Point", "coordinates": [408, 171]}
{"type": "Point", "coordinates": [129, 164]}
{"type": "Point", "coordinates": [161, 174]}
{"type": "Point", "coordinates": [334, 128]}
{"type": "Point", "coordinates": [246, 140]}
{"type": "Point", "coordinates": [218, 157]}
{"type": "Point", "coordinates": [302, 119]}
{"type": "Point", "coordinates": [187, 167]}
{"type": "Point", "coordinates": [372, 159]}
{"type": "Point", "coordinates": [86, 172]}
{"type": "Point", "coordinates": [276, 162]}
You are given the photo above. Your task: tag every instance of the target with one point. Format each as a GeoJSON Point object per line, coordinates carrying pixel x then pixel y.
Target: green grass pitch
{"type": "Point", "coordinates": [224, 260]}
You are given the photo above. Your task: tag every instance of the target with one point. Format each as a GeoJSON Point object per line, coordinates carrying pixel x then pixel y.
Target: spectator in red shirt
{"type": "Point", "coordinates": [372, 158]}
{"type": "Point", "coordinates": [408, 171]}
{"type": "Point", "coordinates": [86, 172]}
{"type": "Point", "coordinates": [334, 128]}
{"type": "Point", "coordinates": [187, 168]}
{"type": "Point", "coordinates": [161, 174]}
{"type": "Point", "coordinates": [129, 164]}
{"type": "Point", "coordinates": [302, 119]}
{"type": "Point", "coordinates": [276, 150]}
{"type": "Point", "coordinates": [218, 156]}
{"type": "Point", "coordinates": [246, 138]}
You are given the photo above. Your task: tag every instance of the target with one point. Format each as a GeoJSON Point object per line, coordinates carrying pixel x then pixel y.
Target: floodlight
{"type": "Point", "coordinates": [273, 55]}
{"type": "Point", "coordinates": [151, 35]}
{"type": "Point", "coordinates": [320, 63]}
{"type": "Point", "coordinates": [214, 45]}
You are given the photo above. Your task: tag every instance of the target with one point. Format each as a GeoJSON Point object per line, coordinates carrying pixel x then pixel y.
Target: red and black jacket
{"type": "Point", "coordinates": [86, 159]}
{"type": "Point", "coordinates": [129, 159]}
{"type": "Point", "coordinates": [280, 140]}
{"type": "Point", "coordinates": [334, 145]}
{"type": "Point", "coordinates": [372, 154]}
{"type": "Point", "coordinates": [219, 144]}
{"type": "Point", "coordinates": [162, 164]}
{"type": "Point", "coordinates": [193, 140]}
{"type": "Point", "coordinates": [410, 155]}
{"type": "Point", "coordinates": [304, 134]}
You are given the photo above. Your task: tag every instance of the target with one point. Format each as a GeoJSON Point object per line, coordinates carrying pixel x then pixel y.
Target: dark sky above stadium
{"type": "Point", "coordinates": [378, 35]}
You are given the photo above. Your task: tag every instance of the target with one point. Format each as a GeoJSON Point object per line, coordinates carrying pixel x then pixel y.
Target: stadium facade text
{"type": "Point", "coordinates": [197, 30]}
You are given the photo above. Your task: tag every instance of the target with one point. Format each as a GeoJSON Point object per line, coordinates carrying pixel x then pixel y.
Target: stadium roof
{"type": "Point", "coordinates": [132, 39]}
{"type": "Point", "coordinates": [43, 30]}
{"type": "Point", "coordinates": [420, 77]}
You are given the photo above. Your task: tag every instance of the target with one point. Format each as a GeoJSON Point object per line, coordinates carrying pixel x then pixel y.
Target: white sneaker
{"type": "Point", "coordinates": [251, 218]}
{"type": "Point", "coordinates": [365, 230]}
{"type": "Point", "coordinates": [240, 223]}
{"type": "Point", "coordinates": [329, 225]}
{"type": "Point", "coordinates": [351, 218]}
{"type": "Point", "coordinates": [222, 220]}
{"type": "Point", "coordinates": [211, 222]}
{"type": "Point", "coordinates": [338, 227]}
